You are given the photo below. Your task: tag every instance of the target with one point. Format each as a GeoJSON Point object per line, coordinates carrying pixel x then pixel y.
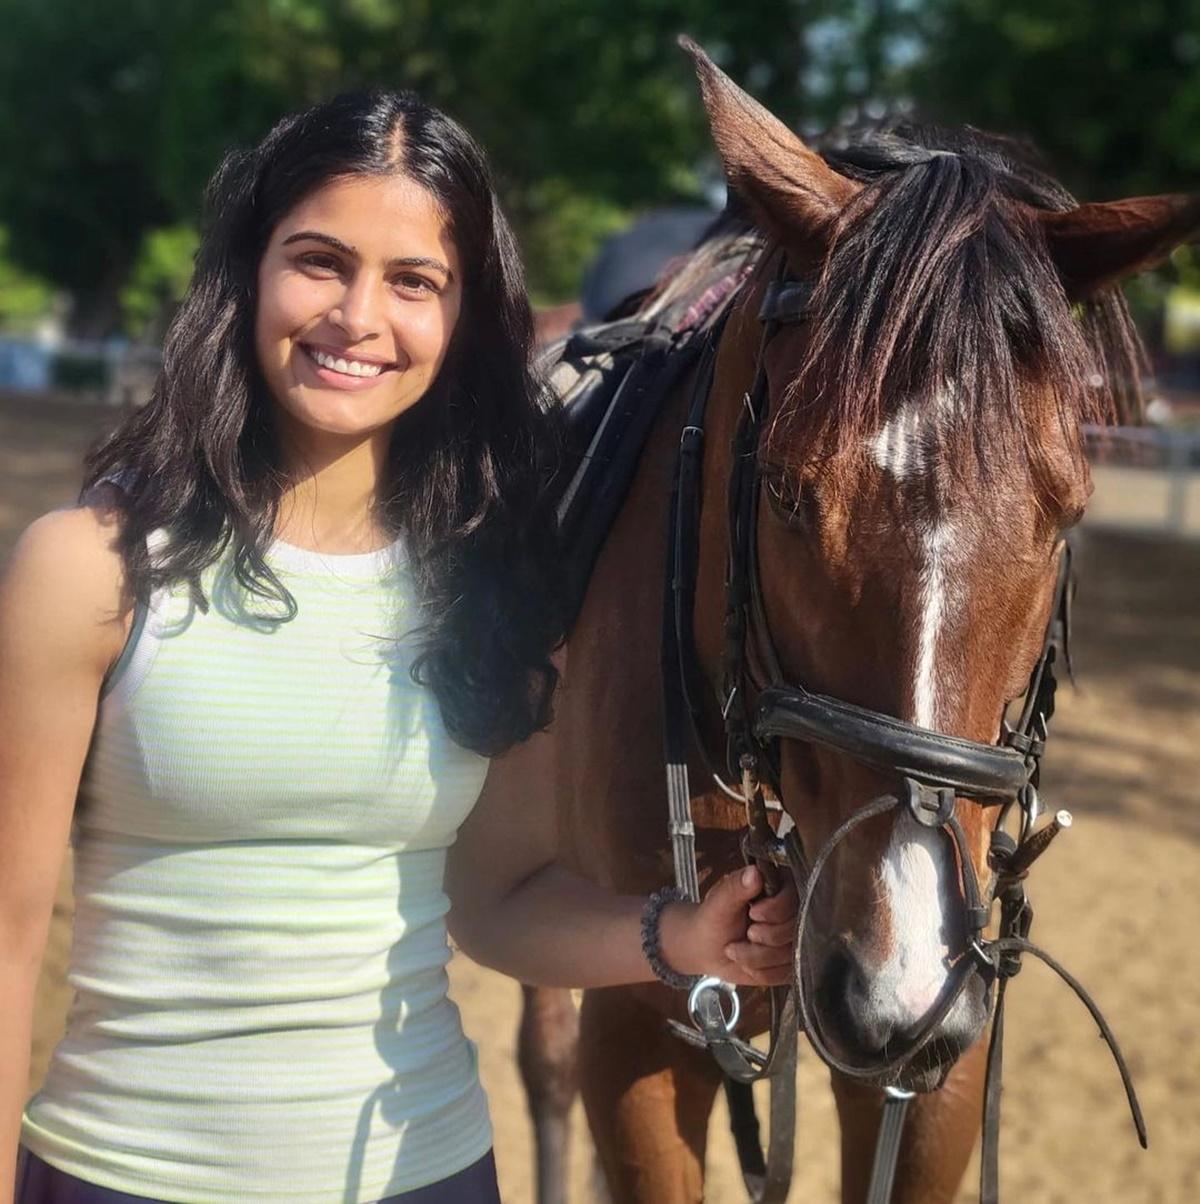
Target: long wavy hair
{"type": "Point", "coordinates": [469, 464]}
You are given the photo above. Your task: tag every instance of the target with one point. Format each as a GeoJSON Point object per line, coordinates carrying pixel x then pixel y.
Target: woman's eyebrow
{"type": "Point", "coordinates": [407, 261]}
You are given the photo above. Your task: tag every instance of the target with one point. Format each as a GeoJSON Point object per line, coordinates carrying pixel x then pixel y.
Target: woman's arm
{"type": "Point", "coordinates": [514, 909]}
{"type": "Point", "coordinates": [60, 628]}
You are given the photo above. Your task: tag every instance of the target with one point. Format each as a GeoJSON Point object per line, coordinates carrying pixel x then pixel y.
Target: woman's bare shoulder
{"type": "Point", "coordinates": [65, 578]}
{"type": "Point", "coordinates": [76, 543]}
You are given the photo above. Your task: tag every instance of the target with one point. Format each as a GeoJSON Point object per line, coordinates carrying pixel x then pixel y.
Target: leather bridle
{"type": "Point", "coordinates": [931, 771]}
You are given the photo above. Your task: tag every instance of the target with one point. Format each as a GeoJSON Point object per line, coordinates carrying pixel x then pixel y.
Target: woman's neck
{"type": "Point", "coordinates": [332, 503]}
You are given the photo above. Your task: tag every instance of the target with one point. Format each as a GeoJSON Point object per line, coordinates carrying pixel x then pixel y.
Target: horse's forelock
{"type": "Point", "coordinates": [935, 279]}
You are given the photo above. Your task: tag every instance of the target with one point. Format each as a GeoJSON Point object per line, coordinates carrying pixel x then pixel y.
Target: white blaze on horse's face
{"type": "Point", "coordinates": [906, 447]}
{"type": "Point", "coordinates": [917, 883]}
{"type": "Point", "coordinates": [916, 877]}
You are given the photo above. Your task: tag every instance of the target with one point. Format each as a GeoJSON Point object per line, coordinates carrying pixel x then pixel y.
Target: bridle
{"type": "Point", "coordinates": [931, 771]}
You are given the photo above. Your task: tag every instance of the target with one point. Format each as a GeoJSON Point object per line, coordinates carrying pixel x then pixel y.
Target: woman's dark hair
{"type": "Point", "coordinates": [469, 463]}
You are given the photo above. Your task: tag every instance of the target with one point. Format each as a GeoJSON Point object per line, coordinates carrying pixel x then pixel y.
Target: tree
{"type": "Point", "coordinates": [587, 107]}
{"type": "Point", "coordinates": [24, 299]}
{"type": "Point", "coordinates": [112, 116]}
{"type": "Point", "coordinates": [1110, 92]}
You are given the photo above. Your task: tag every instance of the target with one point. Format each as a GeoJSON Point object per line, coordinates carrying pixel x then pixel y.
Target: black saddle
{"type": "Point", "coordinates": [611, 380]}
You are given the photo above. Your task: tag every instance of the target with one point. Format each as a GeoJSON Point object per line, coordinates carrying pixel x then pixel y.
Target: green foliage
{"type": "Point", "coordinates": [1181, 303]}
{"type": "Point", "coordinates": [158, 280]}
{"type": "Point", "coordinates": [1186, 263]}
{"type": "Point", "coordinates": [77, 102]}
{"type": "Point", "coordinates": [562, 235]}
{"type": "Point", "coordinates": [1110, 92]}
{"type": "Point", "coordinates": [1181, 325]}
{"type": "Point", "coordinates": [587, 107]}
{"type": "Point", "coordinates": [143, 98]}
{"type": "Point", "coordinates": [24, 298]}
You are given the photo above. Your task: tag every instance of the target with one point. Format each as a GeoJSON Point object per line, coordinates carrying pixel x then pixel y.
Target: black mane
{"type": "Point", "coordinates": [938, 276]}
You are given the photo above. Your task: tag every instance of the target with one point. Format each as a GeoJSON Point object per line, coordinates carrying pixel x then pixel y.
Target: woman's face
{"type": "Point", "coordinates": [359, 290]}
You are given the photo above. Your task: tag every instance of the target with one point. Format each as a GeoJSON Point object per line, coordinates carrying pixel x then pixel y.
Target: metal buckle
{"type": "Point", "coordinates": [711, 983]}
{"type": "Point", "coordinates": [691, 439]}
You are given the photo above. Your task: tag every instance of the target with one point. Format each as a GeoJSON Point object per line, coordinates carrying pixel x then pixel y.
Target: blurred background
{"type": "Point", "coordinates": [113, 116]}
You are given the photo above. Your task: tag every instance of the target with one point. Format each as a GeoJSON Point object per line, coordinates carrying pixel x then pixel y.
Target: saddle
{"type": "Point", "coordinates": [610, 380]}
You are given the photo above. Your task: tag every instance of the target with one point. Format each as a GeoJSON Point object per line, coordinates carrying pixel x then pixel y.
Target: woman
{"type": "Point", "coordinates": [303, 598]}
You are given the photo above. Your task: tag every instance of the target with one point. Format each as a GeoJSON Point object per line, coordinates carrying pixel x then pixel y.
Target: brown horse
{"type": "Point", "coordinates": [921, 463]}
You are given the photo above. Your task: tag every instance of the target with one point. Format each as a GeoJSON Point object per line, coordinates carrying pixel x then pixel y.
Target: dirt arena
{"type": "Point", "coordinates": [1117, 898]}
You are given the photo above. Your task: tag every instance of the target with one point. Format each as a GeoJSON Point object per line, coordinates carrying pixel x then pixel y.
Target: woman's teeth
{"type": "Point", "coordinates": [348, 367]}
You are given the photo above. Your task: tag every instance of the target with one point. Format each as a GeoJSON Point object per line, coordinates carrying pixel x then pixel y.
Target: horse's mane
{"type": "Point", "coordinates": [938, 290]}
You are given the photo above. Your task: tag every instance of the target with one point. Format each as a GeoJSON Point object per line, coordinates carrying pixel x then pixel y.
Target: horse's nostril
{"type": "Point", "coordinates": [844, 1000]}
{"type": "Point", "coordinates": [835, 977]}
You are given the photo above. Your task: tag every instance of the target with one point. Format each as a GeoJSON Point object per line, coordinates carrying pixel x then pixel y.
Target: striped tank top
{"type": "Point", "coordinates": [260, 944]}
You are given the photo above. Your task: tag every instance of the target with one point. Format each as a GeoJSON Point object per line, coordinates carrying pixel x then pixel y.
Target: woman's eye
{"type": "Point", "coordinates": [320, 264]}
{"type": "Point", "coordinates": [415, 284]}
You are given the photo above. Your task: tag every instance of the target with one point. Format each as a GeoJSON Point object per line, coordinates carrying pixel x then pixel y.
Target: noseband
{"type": "Point", "coordinates": [930, 770]}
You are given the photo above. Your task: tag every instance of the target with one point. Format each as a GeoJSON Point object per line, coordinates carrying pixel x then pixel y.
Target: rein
{"type": "Point", "coordinates": [932, 771]}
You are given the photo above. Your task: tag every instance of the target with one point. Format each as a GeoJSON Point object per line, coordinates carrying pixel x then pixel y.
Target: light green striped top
{"type": "Point", "coordinates": [260, 944]}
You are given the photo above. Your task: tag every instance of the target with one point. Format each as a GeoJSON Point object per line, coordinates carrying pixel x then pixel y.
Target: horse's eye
{"type": "Point", "coordinates": [793, 503]}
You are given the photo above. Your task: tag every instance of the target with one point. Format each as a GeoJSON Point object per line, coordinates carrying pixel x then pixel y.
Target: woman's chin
{"type": "Point", "coordinates": [337, 416]}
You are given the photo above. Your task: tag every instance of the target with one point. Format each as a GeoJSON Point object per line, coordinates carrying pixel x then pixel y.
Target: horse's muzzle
{"type": "Point", "coordinates": [867, 1027]}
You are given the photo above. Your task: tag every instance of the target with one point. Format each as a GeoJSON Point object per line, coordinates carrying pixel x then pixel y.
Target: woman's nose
{"type": "Point", "coordinates": [358, 312]}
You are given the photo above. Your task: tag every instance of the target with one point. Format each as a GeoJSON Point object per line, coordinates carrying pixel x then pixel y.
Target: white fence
{"type": "Point", "coordinates": [108, 372]}
{"type": "Point", "coordinates": [1147, 479]}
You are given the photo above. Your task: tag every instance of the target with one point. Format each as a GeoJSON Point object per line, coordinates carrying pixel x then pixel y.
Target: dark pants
{"type": "Point", "coordinates": [40, 1183]}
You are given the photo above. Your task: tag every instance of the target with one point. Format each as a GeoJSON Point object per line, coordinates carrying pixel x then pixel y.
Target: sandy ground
{"type": "Point", "coordinates": [1116, 898]}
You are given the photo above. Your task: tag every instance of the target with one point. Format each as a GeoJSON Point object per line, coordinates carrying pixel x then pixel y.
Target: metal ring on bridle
{"type": "Point", "coordinates": [710, 983]}
{"type": "Point", "coordinates": [978, 949]}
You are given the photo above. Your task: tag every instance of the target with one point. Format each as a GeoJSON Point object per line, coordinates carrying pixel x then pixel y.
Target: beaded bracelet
{"type": "Point", "coordinates": [651, 915]}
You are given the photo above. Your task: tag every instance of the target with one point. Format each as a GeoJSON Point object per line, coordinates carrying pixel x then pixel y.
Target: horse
{"type": "Point", "coordinates": [919, 464]}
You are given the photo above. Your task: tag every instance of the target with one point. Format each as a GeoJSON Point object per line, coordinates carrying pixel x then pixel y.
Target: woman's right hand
{"type": "Point", "coordinates": [732, 933]}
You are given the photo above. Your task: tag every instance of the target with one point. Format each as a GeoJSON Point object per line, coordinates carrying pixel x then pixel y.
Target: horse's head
{"type": "Point", "coordinates": [920, 463]}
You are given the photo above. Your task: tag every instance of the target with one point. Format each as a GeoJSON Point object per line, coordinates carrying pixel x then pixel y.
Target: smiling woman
{"type": "Point", "coordinates": [308, 590]}
{"type": "Point", "coordinates": [338, 285]}
{"type": "Point", "coordinates": [350, 304]}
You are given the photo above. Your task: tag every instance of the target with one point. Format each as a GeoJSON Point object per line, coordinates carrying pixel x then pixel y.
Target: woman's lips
{"type": "Point", "coordinates": [340, 380]}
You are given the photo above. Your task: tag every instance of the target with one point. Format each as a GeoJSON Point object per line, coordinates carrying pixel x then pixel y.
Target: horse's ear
{"type": "Point", "coordinates": [1094, 246]}
{"type": "Point", "coordinates": [792, 192]}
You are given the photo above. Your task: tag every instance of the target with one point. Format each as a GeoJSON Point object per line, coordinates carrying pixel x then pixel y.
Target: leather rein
{"type": "Point", "coordinates": [931, 771]}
